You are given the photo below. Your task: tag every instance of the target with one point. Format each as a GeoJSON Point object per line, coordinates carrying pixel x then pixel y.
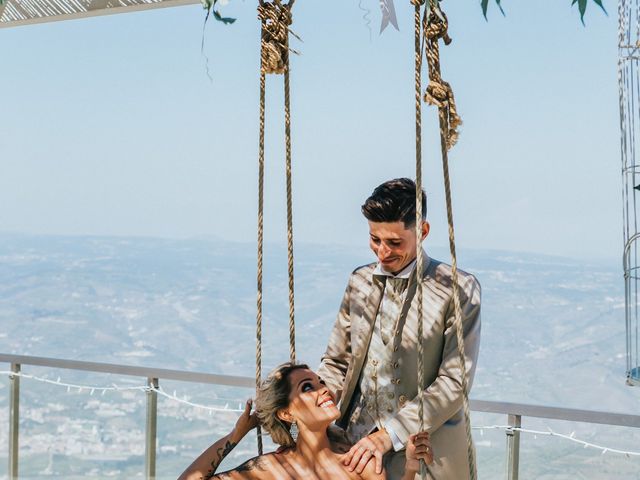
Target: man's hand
{"type": "Point", "coordinates": [373, 446]}
{"type": "Point", "coordinates": [247, 422]}
{"type": "Point", "coordinates": [418, 448]}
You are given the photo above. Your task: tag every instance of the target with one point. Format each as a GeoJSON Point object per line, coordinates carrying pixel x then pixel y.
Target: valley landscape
{"type": "Point", "coordinates": [552, 334]}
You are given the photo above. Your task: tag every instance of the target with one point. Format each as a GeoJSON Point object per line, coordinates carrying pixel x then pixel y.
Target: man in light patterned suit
{"type": "Point", "coordinates": [371, 359]}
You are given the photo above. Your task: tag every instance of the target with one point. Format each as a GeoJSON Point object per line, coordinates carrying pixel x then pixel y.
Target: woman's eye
{"type": "Point", "coordinates": [306, 387]}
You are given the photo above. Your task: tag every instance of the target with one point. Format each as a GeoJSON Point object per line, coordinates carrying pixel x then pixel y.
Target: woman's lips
{"type": "Point", "coordinates": [327, 404]}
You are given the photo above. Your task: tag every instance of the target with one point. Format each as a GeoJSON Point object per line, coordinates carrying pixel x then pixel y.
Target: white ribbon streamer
{"type": "Point", "coordinates": [388, 15]}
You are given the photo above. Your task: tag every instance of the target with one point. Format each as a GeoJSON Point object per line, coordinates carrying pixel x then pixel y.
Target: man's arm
{"type": "Point", "coordinates": [336, 358]}
{"type": "Point", "coordinates": [444, 397]}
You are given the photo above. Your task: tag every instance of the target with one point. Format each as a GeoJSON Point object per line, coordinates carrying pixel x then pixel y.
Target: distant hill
{"type": "Point", "coordinates": [552, 332]}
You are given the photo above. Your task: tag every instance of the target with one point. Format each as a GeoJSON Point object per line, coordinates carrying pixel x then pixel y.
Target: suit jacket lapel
{"type": "Point", "coordinates": [362, 330]}
{"type": "Point", "coordinates": [412, 287]}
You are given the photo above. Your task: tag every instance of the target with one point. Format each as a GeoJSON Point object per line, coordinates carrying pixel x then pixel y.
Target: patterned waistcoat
{"type": "Point", "coordinates": [376, 401]}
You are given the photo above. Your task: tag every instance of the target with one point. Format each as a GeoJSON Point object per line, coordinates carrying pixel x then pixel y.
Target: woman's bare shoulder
{"type": "Point", "coordinates": [270, 466]}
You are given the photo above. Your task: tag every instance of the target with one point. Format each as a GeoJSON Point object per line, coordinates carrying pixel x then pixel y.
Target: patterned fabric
{"type": "Point", "coordinates": [346, 360]}
{"type": "Point", "coordinates": [377, 399]}
{"type": "Point", "coordinates": [391, 306]}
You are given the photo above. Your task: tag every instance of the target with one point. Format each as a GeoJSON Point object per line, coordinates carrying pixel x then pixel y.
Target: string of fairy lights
{"type": "Point", "coordinates": [550, 433]}
{"type": "Point", "coordinates": [92, 389]}
{"type": "Point", "coordinates": [230, 407]}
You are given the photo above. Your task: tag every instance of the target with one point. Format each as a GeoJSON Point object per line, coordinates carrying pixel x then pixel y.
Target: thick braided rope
{"type": "Point", "coordinates": [274, 58]}
{"type": "Point", "coordinates": [287, 131]}
{"type": "Point", "coordinates": [276, 18]}
{"type": "Point", "coordinates": [260, 246]}
{"type": "Point", "coordinates": [271, 61]}
{"type": "Point", "coordinates": [286, 19]}
{"type": "Point", "coordinates": [419, 256]}
{"type": "Point", "coordinates": [444, 116]}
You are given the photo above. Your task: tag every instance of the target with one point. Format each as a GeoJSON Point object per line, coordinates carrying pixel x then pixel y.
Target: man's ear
{"type": "Point", "coordinates": [425, 229]}
{"type": "Point", "coordinates": [284, 415]}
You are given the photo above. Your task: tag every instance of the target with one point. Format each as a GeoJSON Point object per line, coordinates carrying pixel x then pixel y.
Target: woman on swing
{"type": "Point", "coordinates": [294, 402]}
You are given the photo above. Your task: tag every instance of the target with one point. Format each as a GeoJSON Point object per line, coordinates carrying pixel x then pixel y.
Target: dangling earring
{"type": "Point", "coordinates": [293, 431]}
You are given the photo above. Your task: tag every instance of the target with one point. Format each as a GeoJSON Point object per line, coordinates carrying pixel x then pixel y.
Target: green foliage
{"type": "Point", "coordinates": [209, 6]}
{"type": "Point", "coordinates": [485, 6]}
{"type": "Point", "coordinates": [582, 7]}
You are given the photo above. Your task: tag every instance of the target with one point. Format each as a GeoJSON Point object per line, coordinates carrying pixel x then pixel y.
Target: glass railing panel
{"type": "Point", "coordinates": [4, 423]}
{"type": "Point", "coordinates": [490, 444]}
{"type": "Point", "coordinates": [550, 456]}
{"type": "Point", "coordinates": [70, 433]}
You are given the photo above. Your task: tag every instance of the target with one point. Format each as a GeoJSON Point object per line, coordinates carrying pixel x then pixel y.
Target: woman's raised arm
{"type": "Point", "coordinates": [204, 467]}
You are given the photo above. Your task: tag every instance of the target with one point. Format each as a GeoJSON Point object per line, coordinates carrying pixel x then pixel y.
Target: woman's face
{"type": "Point", "coordinates": [311, 404]}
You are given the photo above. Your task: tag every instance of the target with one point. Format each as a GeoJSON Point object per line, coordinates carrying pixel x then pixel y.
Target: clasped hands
{"type": "Point", "coordinates": [377, 444]}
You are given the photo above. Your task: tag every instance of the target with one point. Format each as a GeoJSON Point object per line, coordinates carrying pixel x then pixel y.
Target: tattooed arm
{"type": "Point", "coordinates": [204, 467]}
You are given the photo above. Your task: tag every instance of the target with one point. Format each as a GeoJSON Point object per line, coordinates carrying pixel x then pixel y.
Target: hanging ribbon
{"type": "Point", "coordinates": [388, 15]}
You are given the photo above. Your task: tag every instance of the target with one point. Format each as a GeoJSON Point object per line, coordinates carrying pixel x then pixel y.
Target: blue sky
{"type": "Point", "coordinates": [111, 126]}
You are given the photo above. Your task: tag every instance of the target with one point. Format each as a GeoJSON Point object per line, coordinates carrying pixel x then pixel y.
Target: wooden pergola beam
{"type": "Point", "coordinates": [15, 13]}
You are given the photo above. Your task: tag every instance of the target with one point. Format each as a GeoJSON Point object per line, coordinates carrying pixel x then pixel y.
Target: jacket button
{"type": "Point", "coordinates": [402, 400]}
{"type": "Point", "coordinates": [396, 365]}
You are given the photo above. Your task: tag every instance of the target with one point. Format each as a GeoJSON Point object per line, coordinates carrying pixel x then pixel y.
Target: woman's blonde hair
{"type": "Point", "coordinates": [273, 395]}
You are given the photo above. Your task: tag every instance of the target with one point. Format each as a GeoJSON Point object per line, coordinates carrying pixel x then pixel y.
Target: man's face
{"type": "Point", "coordinates": [393, 244]}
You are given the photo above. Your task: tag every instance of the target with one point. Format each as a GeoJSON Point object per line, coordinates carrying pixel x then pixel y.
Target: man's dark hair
{"type": "Point", "coordinates": [394, 201]}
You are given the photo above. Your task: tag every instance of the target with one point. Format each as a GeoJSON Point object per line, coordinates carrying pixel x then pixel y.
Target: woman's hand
{"type": "Point", "coordinates": [247, 422]}
{"type": "Point", "coordinates": [418, 448]}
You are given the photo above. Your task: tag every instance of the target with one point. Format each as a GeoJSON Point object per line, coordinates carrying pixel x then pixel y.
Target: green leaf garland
{"type": "Point", "coordinates": [582, 7]}
{"type": "Point", "coordinates": [210, 6]}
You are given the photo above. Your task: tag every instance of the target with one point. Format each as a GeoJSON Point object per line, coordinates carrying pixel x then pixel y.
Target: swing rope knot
{"type": "Point", "coordinates": [439, 92]}
{"type": "Point", "coordinates": [437, 27]}
{"type": "Point", "coordinates": [274, 52]}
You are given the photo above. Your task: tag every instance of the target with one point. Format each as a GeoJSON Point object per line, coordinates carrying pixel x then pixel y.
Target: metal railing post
{"type": "Point", "coordinates": [14, 421]}
{"type": "Point", "coordinates": [151, 430]}
{"type": "Point", "coordinates": [513, 447]}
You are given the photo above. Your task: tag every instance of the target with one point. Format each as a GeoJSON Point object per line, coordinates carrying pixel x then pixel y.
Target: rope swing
{"type": "Point", "coordinates": [275, 18]}
{"type": "Point", "coordinates": [428, 32]}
